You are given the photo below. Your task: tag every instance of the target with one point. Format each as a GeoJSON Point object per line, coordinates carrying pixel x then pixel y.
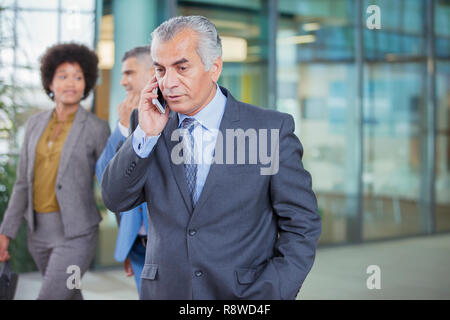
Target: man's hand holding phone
{"type": "Point", "coordinates": [151, 120]}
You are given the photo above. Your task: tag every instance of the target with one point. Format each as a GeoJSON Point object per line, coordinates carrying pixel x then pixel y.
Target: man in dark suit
{"type": "Point", "coordinates": [227, 221]}
{"type": "Point", "coordinates": [137, 69]}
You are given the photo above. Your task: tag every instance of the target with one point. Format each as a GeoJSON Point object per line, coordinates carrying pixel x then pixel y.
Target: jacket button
{"type": "Point", "coordinates": [59, 187]}
{"type": "Point", "coordinates": [192, 232]}
{"type": "Point", "coordinates": [198, 273]}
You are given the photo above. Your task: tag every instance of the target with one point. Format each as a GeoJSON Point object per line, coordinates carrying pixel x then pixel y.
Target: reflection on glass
{"type": "Point", "coordinates": [36, 31]}
{"type": "Point", "coordinates": [41, 4]}
{"type": "Point", "coordinates": [77, 27]}
{"type": "Point", "coordinates": [321, 30]}
{"type": "Point", "coordinates": [28, 77]}
{"type": "Point", "coordinates": [316, 85]}
{"type": "Point", "coordinates": [6, 73]}
{"type": "Point", "coordinates": [442, 184]}
{"type": "Point", "coordinates": [392, 148]}
{"type": "Point", "coordinates": [78, 5]}
{"type": "Point", "coordinates": [442, 28]}
{"type": "Point", "coordinates": [7, 56]}
{"type": "Point", "coordinates": [6, 28]}
{"type": "Point", "coordinates": [7, 3]}
{"type": "Point", "coordinates": [442, 47]}
{"type": "Point", "coordinates": [394, 110]}
{"type": "Point", "coordinates": [401, 33]}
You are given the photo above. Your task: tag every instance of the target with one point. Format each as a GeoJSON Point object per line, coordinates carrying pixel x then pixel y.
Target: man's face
{"type": "Point", "coordinates": [181, 75]}
{"type": "Point", "coordinates": [135, 74]}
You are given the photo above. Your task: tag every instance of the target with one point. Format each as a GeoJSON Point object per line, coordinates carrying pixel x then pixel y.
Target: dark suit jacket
{"type": "Point", "coordinates": [74, 181]}
{"type": "Point", "coordinates": [250, 236]}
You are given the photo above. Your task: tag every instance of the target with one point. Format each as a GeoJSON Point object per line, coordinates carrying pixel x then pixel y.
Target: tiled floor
{"type": "Point", "coordinates": [96, 285]}
{"type": "Point", "coordinates": [413, 268]}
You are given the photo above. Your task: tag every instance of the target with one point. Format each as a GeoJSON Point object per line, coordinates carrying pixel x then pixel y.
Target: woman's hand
{"type": "Point", "coordinates": [4, 243]}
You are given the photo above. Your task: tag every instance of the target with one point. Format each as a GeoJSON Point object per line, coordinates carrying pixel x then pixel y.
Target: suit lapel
{"type": "Point", "coordinates": [41, 124]}
{"type": "Point", "coordinates": [229, 120]}
{"type": "Point", "coordinates": [177, 169]}
{"type": "Point", "coordinates": [71, 140]}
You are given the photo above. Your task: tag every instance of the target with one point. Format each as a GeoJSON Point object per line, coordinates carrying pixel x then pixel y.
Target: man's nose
{"type": "Point", "coordinates": [123, 81]}
{"type": "Point", "coordinates": [170, 79]}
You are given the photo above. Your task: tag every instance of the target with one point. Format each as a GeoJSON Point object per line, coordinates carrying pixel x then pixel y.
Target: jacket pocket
{"type": "Point", "coordinates": [246, 275]}
{"type": "Point", "coordinates": [149, 271]}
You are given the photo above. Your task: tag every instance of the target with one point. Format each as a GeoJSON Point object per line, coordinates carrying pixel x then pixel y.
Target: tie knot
{"type": "Point", "coordinates": [188, 123]}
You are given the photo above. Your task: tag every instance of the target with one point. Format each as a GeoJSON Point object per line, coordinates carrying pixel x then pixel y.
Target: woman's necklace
{"type": "Point", "coordinates": [56, 132]}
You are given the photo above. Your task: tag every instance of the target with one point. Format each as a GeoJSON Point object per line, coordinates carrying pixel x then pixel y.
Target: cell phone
{"type": "Point", "coordinates": [160, 103]}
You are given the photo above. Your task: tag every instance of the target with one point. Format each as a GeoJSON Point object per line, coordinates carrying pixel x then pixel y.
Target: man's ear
{"type": "Point", "coordinates": [216, 69]}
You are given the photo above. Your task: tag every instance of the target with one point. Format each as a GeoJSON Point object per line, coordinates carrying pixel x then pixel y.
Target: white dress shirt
{"type": "Point", "coordinates": [205, 136]}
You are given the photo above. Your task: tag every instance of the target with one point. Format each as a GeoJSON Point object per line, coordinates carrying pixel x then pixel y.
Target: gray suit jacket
{"type": "Point", "coordinates": [74, 181]}
{"type": "Point", "coordinates": [250, 236]}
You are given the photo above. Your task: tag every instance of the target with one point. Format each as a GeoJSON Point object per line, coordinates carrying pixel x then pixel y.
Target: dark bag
{"type": "Point", "coordinates": [8, 282]}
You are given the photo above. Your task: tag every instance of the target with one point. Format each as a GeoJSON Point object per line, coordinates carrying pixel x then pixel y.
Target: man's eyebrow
{"type": "Point", "coordinates": [181, 61]}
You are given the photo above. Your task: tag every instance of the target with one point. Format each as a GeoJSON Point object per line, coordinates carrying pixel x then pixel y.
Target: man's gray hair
{"type": "Point", "coordinates": [142, 53]}
{"type": "Point", "coordinates": [209, 46]}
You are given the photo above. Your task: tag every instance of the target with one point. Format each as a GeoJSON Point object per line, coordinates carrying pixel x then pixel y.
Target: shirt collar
{"type": "Point", "coordinates": [211, 115]}
{"type": "Point", "coordinates": [70, 117]}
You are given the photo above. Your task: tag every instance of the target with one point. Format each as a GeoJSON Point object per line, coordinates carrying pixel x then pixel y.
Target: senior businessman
{"type": "Point", "coordinates": [224, 223]}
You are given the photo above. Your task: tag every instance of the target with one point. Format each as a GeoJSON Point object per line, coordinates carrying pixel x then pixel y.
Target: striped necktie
{"type": "Point", "coordinates": [190, 167]}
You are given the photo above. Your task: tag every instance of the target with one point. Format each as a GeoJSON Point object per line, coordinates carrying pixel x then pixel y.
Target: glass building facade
{"type": "Point", "coordinates": [371, 105]}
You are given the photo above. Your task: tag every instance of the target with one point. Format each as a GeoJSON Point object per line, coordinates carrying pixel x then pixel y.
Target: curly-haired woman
{"type": "Point", "coordinates": [54, 186]}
